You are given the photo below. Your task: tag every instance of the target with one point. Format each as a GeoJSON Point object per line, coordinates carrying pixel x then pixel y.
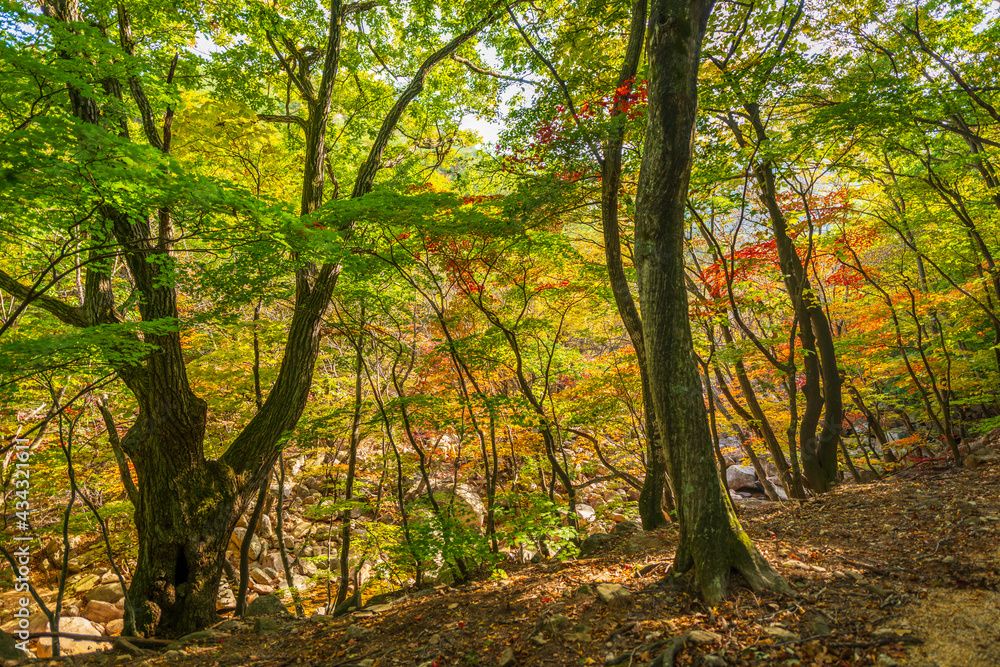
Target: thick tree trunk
{"type": "Point", "coordinates": [186, 514]}
{"type": "Point", "coordinates": [711, 538]}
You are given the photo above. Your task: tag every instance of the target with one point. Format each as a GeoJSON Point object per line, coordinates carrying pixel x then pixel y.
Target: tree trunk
{"type": "Point", "coordinates": [185, 517]}
{"type": "Point", "coordinates": [711, 538]}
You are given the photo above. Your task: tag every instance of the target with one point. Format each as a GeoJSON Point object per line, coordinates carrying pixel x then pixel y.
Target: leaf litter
{"type": "Point", "coordinates": [904, 571]}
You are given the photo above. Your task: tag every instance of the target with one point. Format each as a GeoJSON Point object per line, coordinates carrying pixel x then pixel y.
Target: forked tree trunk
{"type": "Point", "coordinates": [711, 538]}
{"type": "Point", "coordinates": [186, 513]}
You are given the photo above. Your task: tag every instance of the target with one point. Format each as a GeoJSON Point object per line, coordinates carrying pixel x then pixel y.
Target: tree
{"type": "Point", "coordinates": [711, 538]}
{"type": "Point", "coordinates": [188, 502]}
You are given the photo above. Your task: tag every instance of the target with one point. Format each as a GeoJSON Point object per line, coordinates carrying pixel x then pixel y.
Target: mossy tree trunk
{"type": "Point", "coordinates": [711, 538]}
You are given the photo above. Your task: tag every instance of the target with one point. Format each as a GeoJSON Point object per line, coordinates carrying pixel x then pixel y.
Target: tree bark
{"type": "Point", "coordinates": [711, 538]}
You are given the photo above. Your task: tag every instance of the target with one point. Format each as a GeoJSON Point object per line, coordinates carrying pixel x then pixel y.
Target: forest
{"type": "Point", "coordinates": [317, 309]}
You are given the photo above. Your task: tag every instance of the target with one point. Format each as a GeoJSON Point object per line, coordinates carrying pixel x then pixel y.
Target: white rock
{"type": "Point", "coordinates": [77, 626]}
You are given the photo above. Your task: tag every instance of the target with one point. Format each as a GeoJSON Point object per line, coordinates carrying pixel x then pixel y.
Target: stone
{"type": "Point", "coordinates": [354, 632]}
{"type": "Point", "coordinates": [593, 543]}
{"type": "Point", "coordinates": [196, 637]}
{"type": "Point", "coordinates": [703, 637]}
{"type": "Point", "coordinates": [232, 626]}
{"type": "Point", "coordinates": [884, 660]}
{"type": "Point", "coordinates": [626, 528]}
{"type": "Point", "coordinates": [467, 505]}
{"type": "Point", "coordinates": [272, 560]}
{"type": "Point", "coordinates": [580, 633]}
{"type": "Point", "coordinates": [265, 528]}
{"type": "Point", "coordinates": [85, 583]}
{"type": "Point", "coordinates": [613, 594]}
{"type": "Point", "coordinates": [385, 598]}
{"type": "Point", "coordinates": [780, 634]}
{"type": "Point", "coordinates": [307, 568]}
{"type": "Point", "coordinates": [586, 512]}
{"type": "Point", "coordinates": [236, 542]}
{"type": "Point", "coordinates": [507, 657]}
{"type": "Point", "coordinates": [266, 605]}
{"type": "Point", "coordinates": [76, 625]}
{"type": "Point", "coordinates": [264, 624]}
{"type": "Point", "coordinates": [712, 660]}
{"type": "Point", "coordinates": [260, 576]}
{"type": "Point", "coordinates": [101, 612]}
{"type": "Point", "coordinates": [226, 598]}
{"type": "Point", "coordinates": [740, 477]}
{"type": "Point", "coordinates": [114, 627]}
{"type": "Point", "coordinates": [9, 649]}
{"type": "Point", "coordinates": [645, 541]}
{"type": "Point", "coordinates": [301, 529]}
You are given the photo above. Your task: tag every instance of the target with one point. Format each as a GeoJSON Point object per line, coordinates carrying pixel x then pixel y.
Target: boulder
{"type": "Point", "coordinates": [594, 543]}
{"type": "Point", "coordinates": [586, 512]}
{"type": "Point", "coordinates": [236, 542]}
{"type": "Point", "coordinates": [613, 594]}
{"type": "Point", "coordinates": [76, 626]}
{"type": "Point", "coordinates": [9, 649]}
{"type": "Point", "coordinates": [114, 627]}
{"type": "Point", "coordinates": [260, 576]}
{"type": "Point", "coordinates": [740, 477]}
{"type": "Point", "coordinates": [266, 605]}
{"type": "Point", "coordinates": [626, 528]}
{"type": "Point", "coordinates": [101, 612]}
{"type": "Point", "coordinates": [466, 504]}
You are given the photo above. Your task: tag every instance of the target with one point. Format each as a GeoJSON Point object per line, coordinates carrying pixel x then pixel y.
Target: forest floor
{"type": "Point", "coordinates": [903, 571]}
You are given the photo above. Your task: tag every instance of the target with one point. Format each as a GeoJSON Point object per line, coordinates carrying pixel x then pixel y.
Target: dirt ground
{"type": "Point", "coordinates": [903, 571]}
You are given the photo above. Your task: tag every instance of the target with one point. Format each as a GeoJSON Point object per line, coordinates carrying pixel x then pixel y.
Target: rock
{"type": "Point", "coordinates": [85, 583]}
{"type": "Point", "coordinates": [354, 632]}
{"type": "Point", "coordinates": [820, 627]}
{"type": "Point", "coordinates": [195, 637]}
{"type": "Point", "coordinates": [236, 542]}
{"type": "Point", "coordinates": [507, 657]}
{"type": "Point", "coordinates": [466, 504]}
{"type": "Point", "coordinates": [586, 512]}
{"type": "Point", "coordinates": [265, 528]}
{"type": "Point", "coordinates": [712, 660]}
{"type": "Point", "coordinates": [264, 624]}
{"type": "Point", "coordinates": [385, 598]}
{"type": "Point", "coordinates": [703, 637]}
{"type": "Point", "coordinates": [971, 461]}
{"type": "Point", "coordinates": [626, 528]}
{"type": "Point", "coordinates": [350, 604]}
{"type": "Point", "coordinates": [301, 529]}
{"type": "Point", "coordinates": [273, 561]}
{"type": "Point", "coordinates": [101, 612]}
{"type": "Point", "coordinates": [580, 633]}
{"type": "Point", "coordinates": [123, 645]}
{"type": "Point", "coordinates": [226, 598]}
{"type": "Point", "coordinates": [780, 634]}
{"type": "Point", "coordinates": [266, 605]}
{"type": "Point", "coordinates": [613, 594]}
{"type": "Point", "coordinates": [778, 487]}
{"type": "Point", "coordinates": [884, 660]}
{"type": "Point", "coordinates": [867, 476]}
{"type": "Point", "coordinates": [9, 649]}
{"type": "Point", "coordinates": [739, 477]}
{"type": "Point", "coordinates": [232, 626]}
{"type": "Point", "coordinates": [646, 541]}
{"type": "Point", "coordinates": [114, 627]}
{"type": "Point", "coordinates": [593, 543]}
{"type": "Point", "coordinates": [307, 568]}
{"type": "Point", "coordinates": [77, 626]}
{"type": "Point", "coordinates": [260, 576]}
